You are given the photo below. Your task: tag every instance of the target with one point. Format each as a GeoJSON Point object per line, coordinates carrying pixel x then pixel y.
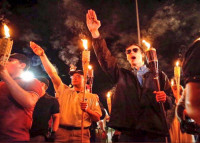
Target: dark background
{"type": "Point", "coordinates": [58, 25]}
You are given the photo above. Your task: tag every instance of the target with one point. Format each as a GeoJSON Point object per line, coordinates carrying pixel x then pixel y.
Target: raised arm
{"type": "Point", "coordinates": [26, 98]}
{"type": "Point", "coordinates": [50, 69]}
{"type": "Point", "coordinates": [106, 60]}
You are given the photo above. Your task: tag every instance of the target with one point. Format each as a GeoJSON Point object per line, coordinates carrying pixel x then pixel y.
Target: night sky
{"type": "Point", "coordinates": [58, 25]}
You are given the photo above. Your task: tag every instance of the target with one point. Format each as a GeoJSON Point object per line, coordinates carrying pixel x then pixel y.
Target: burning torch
{"type": "Point", "coordinates": [85, 64]}
{"type": "Point", "coordinates": [5, 46]}
{"type": "Point", "coordinates": [152, 61]}
{"type": "Point", "coordinates": [177, 75]}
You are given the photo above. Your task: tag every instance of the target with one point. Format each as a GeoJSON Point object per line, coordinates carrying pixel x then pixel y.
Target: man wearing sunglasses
{"type": "Point", "coordinates": [135, 106]}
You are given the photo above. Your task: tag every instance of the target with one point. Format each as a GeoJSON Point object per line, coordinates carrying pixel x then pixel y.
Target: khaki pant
{"type": "Point", "coordinates": [72, 136]}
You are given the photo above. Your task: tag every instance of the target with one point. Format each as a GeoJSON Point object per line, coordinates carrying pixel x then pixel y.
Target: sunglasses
{"type": "Point", "coordinates": [135, 50]}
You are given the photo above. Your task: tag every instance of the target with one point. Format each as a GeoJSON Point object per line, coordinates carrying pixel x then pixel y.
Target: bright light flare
{"type": "Point", "coordinates": [89, 67]}
{"type": "Point", "coordinates": [85, 44]}
{"type": "Point", "coordinates": [6, 29]}
{"type": "Point", "coordinates": [172, 82]}
{"type": "Point", "coordinates": [27, 76]}
{"type": "Point", "coordinates": [146, 44]}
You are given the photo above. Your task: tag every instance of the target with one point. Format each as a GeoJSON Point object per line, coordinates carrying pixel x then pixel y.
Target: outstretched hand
{"type": "Point", "coordinates": [93, 23]}
{"type": "Point", "coordinates": [36, 49]}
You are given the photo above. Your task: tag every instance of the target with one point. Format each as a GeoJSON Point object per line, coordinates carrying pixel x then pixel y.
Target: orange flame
{"type": "Point", "coordinates": [146, 44]}
{"type": "Point", "coordinates": [108, 95]}
{"type": "Point", "coordinates": [177, 63]}
{"type": "Point", "coordinates": [85, 44]}
{"type": "Point", "coordinates": [6, 29]}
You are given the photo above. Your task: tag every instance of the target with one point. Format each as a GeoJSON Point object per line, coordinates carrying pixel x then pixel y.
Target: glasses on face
{"type": "Point", "coordinates": [135, 50]}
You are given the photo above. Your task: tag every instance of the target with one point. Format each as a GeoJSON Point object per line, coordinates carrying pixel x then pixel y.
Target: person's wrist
{"type": "Point", "coordinates": [42, 54]}
{"type": "Point", "coordinates": [87, 110]}
{"type": "Point", "coordinates": [4, 74]}
{"type": "Point", "coordinates": [95, 34]}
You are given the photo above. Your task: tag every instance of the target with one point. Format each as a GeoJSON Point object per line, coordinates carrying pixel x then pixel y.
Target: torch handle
{"type": "Point", "coordinates": [82, 119]}
{"type": "Point", "coordinates": [162, 108]}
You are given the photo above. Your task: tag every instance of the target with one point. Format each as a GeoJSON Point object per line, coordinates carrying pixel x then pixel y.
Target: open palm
{"type": "Point", "coordinates": [93, 23]}
{"type": "Point", "coordinates": [36, 49]}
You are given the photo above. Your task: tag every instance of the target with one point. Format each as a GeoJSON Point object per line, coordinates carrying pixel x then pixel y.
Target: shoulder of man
{"type": "Point", "coordinates": [32, 86]}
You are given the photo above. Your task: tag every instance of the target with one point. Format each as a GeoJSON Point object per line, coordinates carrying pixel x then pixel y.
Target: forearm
{"type": "Point", "coordinates": [95, 34]}
{"type": "Point", "coordinates": [105, 58]}
{"type": "Point", "coordinates": [51, 71]}
{"type": "Point", "coordinates": [24, 98]}
{"type": "Point", "coordinates": [56, 118]}
{"type": "Point", "coordinates": [93, 115]}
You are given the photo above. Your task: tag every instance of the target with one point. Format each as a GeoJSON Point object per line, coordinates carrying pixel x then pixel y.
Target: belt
{"type": "Point", "coordinates": [71, 127]}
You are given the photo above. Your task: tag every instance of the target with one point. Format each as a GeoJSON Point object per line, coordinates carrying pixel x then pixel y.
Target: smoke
{"type": "Point", "coordinates": [66, 35]}
{"type": "Point", "coordinates": [75, 17]}
{"type": "Point", "coordinates": [74, 24]}
{"type": "Point", "coordinates": [36, 61]}
{"type": "Point", "coordinates": [29, 35]}
{"type": "Point", "coordinates": [56, 44]}
{"type": "Point", "coordinates": [181, 19]}
{"type": "Point", "coordinates": [165, 19]}
{"type": "Point", "coordinates": [68, 55]}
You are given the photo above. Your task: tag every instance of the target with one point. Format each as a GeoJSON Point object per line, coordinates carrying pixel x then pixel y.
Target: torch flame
{"type": "Point", "coordinates": [172, 82]}
{"type": "Point", "coordinates": [108, 94]}
{"type": "Point", "coordinates": [6, 29]}
{"type": "Point", "coordinates": [89, 67]}
{"type": "Point", "coordinates": [147, 44]}
{"type": "Point", "coordinates": [177, 63]}
{"type": "Point", "coordinates": [85, 44]}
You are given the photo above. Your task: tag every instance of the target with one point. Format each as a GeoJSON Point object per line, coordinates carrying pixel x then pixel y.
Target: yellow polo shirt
{"type": "Point", "coordinates": [70, 110]}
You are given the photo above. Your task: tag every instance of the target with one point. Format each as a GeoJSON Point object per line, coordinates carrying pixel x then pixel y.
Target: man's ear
{"type": "Point", "coordinates": [23, 65]}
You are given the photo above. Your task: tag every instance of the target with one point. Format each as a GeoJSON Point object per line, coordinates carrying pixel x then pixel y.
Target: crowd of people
{"type": "Point", "coordinates": [28, 113]}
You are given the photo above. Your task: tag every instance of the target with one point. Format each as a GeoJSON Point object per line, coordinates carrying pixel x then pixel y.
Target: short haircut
{"type": "Point", "coordinates": [22, 59]}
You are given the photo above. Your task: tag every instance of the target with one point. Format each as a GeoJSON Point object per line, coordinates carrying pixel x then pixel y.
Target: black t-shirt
{"type": "Point", "coordinates": [191, 63]}
{"type": "Point", "coordinates": [44, 109]}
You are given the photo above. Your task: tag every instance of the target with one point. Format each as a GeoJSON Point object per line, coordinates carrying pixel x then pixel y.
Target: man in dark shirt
{"type": "Point", "coordinates": [46, 108]}
{"type": "Point", "coordinates": [135, 107]}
